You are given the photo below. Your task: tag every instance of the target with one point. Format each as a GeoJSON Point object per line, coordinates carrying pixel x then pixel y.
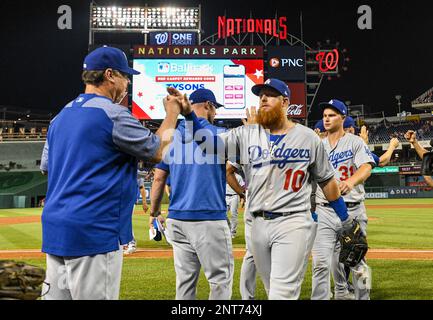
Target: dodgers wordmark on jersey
{"type": "Point", "coordinates": [346, 157]}
{"type": "Point", "coordinates": [279, 175]}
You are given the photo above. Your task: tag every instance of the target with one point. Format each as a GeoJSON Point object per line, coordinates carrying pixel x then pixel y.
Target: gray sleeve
{"type": "Point", "coordinates": [231, 142]}
{"type": "Point", "coordinates": [362, 154]}
{"type": "Point", "coordinates": [132, 138]}
{"type": "Point", "coordinates": [321, 168]}
{"type": "Point", "coordinates": [44, 158]}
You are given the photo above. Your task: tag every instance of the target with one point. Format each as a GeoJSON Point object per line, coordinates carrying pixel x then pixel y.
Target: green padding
{"type": "Point", "coordinates": [14, 182]}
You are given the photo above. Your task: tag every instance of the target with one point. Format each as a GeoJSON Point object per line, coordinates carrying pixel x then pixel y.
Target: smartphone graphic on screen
{"type": "Point", "coordinates": [234, 86]}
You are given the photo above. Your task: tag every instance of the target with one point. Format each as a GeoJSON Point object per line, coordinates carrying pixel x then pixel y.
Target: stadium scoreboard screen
{"type": "Point", "coordinates": [230, 72]}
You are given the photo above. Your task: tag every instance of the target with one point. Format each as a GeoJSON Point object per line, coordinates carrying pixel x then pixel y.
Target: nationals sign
{"type": "Point", "coordinates": [228, 27]}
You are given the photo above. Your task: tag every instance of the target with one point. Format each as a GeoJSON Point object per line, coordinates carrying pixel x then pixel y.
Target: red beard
{"type": "Point", "coordinates": [271, 117]}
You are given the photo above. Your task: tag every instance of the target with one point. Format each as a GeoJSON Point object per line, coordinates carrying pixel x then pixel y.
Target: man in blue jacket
{"type": "Point", "coordinates": [197, 221]}
{"type": "Point", "coordinates": [90, 157]}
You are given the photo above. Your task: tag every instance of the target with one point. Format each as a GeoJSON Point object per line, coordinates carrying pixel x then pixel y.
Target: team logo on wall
{"type": "Point", "coordinates": [173, 38]}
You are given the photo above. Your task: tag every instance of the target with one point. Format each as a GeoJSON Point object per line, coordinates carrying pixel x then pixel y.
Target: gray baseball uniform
{"type": "Point", "coordinates": [279, 185]}
{"type": "Point", "coordinates": [232, 201]}
{"type": "Point", "coordinates": [346, 157]}
{"type": "Point", "coordinates": [247, 282]}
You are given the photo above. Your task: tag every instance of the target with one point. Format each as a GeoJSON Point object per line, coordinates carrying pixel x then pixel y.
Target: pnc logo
{"type": "Point", "coordinates": [289, 63]}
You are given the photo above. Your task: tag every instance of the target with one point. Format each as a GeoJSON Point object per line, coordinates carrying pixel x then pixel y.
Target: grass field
{"type": "Point", "coordinates": [401, 228]}
{"type": "Point", "coordinates": [394, 224]}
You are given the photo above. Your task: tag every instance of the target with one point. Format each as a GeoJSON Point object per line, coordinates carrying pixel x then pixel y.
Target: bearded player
{"type": "Point", "coordinates": [279, 159]}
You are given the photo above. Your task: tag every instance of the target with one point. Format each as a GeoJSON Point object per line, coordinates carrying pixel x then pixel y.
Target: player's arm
{"type": "Point", "coordinates": [360, 176]}
{"type": "Point", "coordinates": [232, 181]}
{"type": "Point", "coordinates": [386, 157]}
{"type": "Point", "coordinates": [363, 161]}
{"type": "Point", "coordinates": [323, 173]}
{"type": "Point", "coordinates": [364, 134]}
{"type": "Point", "coordinates": [429, 180]}
{"type": "Point", "coordinates": [156, 193]}
{"type": "Point", "coordinates": [332, 194]}
{"type": "Point", "coordinates": [410, 135]}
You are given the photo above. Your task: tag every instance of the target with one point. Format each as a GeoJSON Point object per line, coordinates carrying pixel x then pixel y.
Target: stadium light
{"type": "Point", "coordinates": [173, 18]}
{"type": "Point", "coordinates": [127, 18]}
{"type": "Point", "coordinates": [118, 17]}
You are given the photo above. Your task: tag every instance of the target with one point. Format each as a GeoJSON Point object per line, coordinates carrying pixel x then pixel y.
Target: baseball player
{"type": "Point", "coordinates": [232, 201]}
{"type": "Point", "coordinates": [352, 162]}
{"type": "Point", "coordinates": [91, 157]}
{"type": "Point", "coordinates": [196, 222]}
{"type": "Point", "coordinates": [279, 158]}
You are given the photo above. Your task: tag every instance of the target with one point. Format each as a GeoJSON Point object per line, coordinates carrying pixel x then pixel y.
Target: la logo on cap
{"type": "Point", "coordinates": [331, 102]}
{"type": "Point", "coordinates": [268, 81]}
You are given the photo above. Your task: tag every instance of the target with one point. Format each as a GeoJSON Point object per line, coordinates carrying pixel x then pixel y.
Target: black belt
{"type": "Point", "coordinates": [231, 195]}
{"type": "Point", "coordinates": [348, 204]}
{"type": "Point", "coordinates": [267, 215]}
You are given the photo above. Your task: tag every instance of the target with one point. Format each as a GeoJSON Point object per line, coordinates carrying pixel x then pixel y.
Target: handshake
{"type": "Point", "coordinates": [176, 103]}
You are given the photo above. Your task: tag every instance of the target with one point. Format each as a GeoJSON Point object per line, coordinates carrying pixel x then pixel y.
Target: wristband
{"type": "Point", "coordinates": [340, 208]}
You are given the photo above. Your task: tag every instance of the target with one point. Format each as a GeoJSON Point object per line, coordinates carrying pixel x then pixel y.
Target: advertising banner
{"type": "Point", "coordinates": [286, 63]}
{"type": "Point", "coordinates": [230, 80]}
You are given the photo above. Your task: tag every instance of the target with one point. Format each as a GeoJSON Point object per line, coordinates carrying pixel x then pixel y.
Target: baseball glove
{"type": "Point", "coordinates": [20, 281]}
{"type": "Point", "coordinates": [354, 245]}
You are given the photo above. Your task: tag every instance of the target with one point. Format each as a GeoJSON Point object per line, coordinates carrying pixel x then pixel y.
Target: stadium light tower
{"type": "Point", "coordinates": [398, 97]}
{"type": "Point", "coordinates": [121, 19]}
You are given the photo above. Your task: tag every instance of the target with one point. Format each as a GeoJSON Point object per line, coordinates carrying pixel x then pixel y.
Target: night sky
{"type": "Point", "coordinates": [41, 65]}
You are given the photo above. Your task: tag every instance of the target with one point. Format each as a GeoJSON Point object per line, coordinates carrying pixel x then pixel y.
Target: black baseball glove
{"type": "Point", "coordinates": [353, 242]}
{"type": "Point", "coordinates": [20, 281]}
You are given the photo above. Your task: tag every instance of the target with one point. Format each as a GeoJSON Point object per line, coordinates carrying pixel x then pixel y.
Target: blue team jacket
{"type": "Point", "coordinates": [91, 158]}
{"type": "Point", "coordinates": [197, 189]}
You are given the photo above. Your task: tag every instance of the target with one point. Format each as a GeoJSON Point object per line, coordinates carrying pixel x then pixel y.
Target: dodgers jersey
{"type": "Point", "coordinates": [346, 157]}
{"type": "Point", "coordinates": [279, 175]}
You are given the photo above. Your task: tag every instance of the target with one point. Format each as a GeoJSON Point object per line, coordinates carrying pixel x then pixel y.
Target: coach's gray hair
{"type": "Point", "coordinates": [95, 78]}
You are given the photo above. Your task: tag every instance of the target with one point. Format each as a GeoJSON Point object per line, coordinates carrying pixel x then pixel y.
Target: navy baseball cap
{"type": "Point", "coordinates": [107, 57]}
{"type": "Point", "coordinates": [335, 104]}
{"type": "Point", "coordinates": [319, 125]}
{"type": "Point", "coordinates": [275, 84]}
{"type": "Point", "coordinates": [204, 95]}
{"type": "Point", "coordinates": [349, 122]}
